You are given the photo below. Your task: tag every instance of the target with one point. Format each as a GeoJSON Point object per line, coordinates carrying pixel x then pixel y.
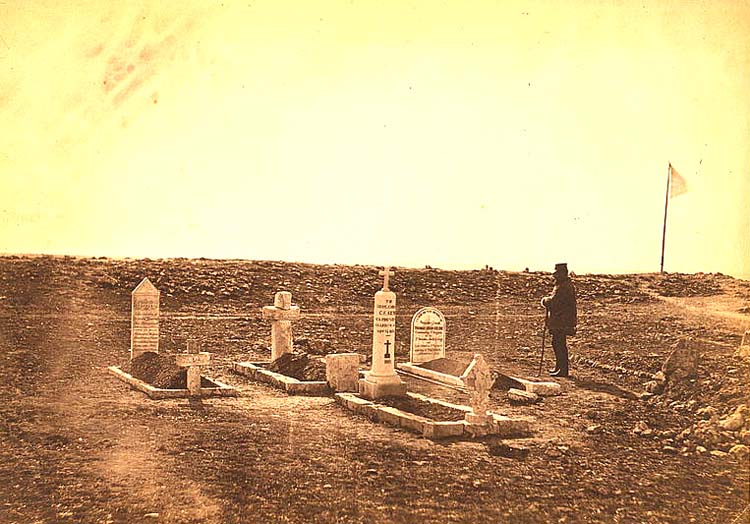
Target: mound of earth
{"type": "Point", "coordinates": [161, 371]}
{"type": "Point", "coordinates": [446, 365]}
{"type": "Point", "coordinates": [299, 366]}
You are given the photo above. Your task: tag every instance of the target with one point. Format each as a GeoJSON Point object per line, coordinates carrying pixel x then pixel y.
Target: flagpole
{"type": "Point", "coordinates": [664, 227]}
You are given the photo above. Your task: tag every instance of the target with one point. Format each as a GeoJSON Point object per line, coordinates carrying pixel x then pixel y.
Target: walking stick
{"type": "Point", "coordinates": [544, 334]}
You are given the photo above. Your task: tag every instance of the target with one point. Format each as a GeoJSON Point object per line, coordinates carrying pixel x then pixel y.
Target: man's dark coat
{"type": "Point", "coordinates": [563, 316]}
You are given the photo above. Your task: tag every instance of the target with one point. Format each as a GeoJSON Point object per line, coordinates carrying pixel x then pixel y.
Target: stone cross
{"type": "Point", "coordinates": [193, 360]}
{"type": "Point", "coordinates": [385, 273]}
{"type": "Point", "coordinates": [144, 319]}
{"type": "Point", "coordinates": [281, 315]}
{"type": "Point", "coordinates": [478, 379]}
{"type": "Point", "coordinates": [382, 379]}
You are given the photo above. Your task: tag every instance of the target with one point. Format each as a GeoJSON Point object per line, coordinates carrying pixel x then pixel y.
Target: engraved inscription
{"type": "Point", "coordinates": [427, 335]}
{"type": "Point", "coordinates": [144, 319]}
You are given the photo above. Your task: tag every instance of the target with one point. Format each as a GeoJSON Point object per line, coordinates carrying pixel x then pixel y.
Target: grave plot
{"type": "Point", "coordinates": [427, 359]}
{"type": "Point", "coordinates": [427, 350]}
{"type": "Point", "coordinates": [163, 376]}
{"type": "Point", "coordinates": [295, 373]}
{"type": "Point", "coordinates": [383, 396]}
{"type": "Point", "coordinates": [437, 419]}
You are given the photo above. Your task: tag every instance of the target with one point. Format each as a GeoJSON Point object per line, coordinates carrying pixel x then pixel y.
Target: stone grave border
{"type": "Point", "coordinates": [543, 389]}
{"type": "Point", "coordinates": [256, 371]}
{"type": "Point", "coordinates": [421, 372]}
{"type": "Point", "coordinates": [501, 425]}
{"type": "Point", "coordinates": [221, 389]}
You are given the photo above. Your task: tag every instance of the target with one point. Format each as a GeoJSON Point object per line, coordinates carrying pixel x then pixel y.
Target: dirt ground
{"type": "Point", "coordinates": [77, 445]}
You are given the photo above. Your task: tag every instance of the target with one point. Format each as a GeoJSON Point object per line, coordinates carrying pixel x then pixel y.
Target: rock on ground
{"type": "Point", "coordinates": [683, 361]}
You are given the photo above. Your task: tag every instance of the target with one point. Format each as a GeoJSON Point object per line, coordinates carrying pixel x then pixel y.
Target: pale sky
{"type": "Point", "coordinates": [454, 134]}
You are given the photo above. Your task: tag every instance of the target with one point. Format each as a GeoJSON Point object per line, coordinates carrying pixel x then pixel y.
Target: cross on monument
{"type": "Point", "coordinates": [382, 379]}
{"type": "Point", "coordinates": [385, 273]}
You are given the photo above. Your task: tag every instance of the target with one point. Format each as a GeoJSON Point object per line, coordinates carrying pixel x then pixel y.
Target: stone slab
{"type": "Point", "coordinates": [351, 401]}
{"type": "Point", "coordinates": [290, 385]}
{"type": "Point", "coordinates": [473, 418]}
{"type": "Point", "coordinates": [219, 390]}
{"type": "Point", "coordinates": [543, 389]}
{"type": "Point", "coordinates": [521, 396]}
{"type": "Point", "coordinates": [370, 410]}
{"type": "Point", "coordinates": [413, 422]}
{"type": "Point", "coordinates": [439, 402]}
{"type": "Point", "coordinates": [443, 429]}
{"type": "Point", "coordinates": [479, 430]}
{"type": "Point", "coordinates": [511, 427]}
{"type": "Point", "coordinates": [374, 390]}
{"type": "Point", "coordinates": [421, 372]}
{"type": "Point", "coordinates": [432, 429]}
{"type": "Point", "coordinates": [389, 415]}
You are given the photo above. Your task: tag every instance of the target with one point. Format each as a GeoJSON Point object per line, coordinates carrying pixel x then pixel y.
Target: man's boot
{"type": "Point", "coordinates": [562, 367]}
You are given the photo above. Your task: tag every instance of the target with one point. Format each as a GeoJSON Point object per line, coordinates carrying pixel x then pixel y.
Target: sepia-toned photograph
{"type": "Point", "coordinates": [375, 262]}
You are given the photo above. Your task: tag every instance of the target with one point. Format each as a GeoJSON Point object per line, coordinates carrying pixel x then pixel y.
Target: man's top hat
{"type": "Point", "coordinates": [561, 268]}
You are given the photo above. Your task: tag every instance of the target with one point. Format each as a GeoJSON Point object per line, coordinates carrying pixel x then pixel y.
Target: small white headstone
{"type": "Point", "coordinates": [342, 371]}
{"type": "Point", "coordinates": [427, 335]}
{"type": "Point", "coordinates": [144, 319]}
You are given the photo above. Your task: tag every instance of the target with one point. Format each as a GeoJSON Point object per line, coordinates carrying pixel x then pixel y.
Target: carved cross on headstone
{"type": "Point", "coordinates": [478, 379]}
{"type": "Point", "coordinates": [385, 273]}
{"type": "Point", "coordinates": [387, 344]}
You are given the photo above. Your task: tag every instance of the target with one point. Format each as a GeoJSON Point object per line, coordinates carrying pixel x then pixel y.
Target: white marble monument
{"type": "Point", "coordinates": [281, 315]}
{"type": "Point", "coordinates": [427, 335]}
{"type": "Point", "coordinates": [382, 379]}
{"type": "Point", "coordinates": [144, 319]}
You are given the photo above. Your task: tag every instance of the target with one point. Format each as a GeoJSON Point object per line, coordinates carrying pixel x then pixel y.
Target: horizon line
{"type": "Point", "coordinates": [426, 266]}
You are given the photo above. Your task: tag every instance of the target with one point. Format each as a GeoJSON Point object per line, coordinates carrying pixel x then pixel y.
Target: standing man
{"type": "Point", "coordinates": [562, 317]}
